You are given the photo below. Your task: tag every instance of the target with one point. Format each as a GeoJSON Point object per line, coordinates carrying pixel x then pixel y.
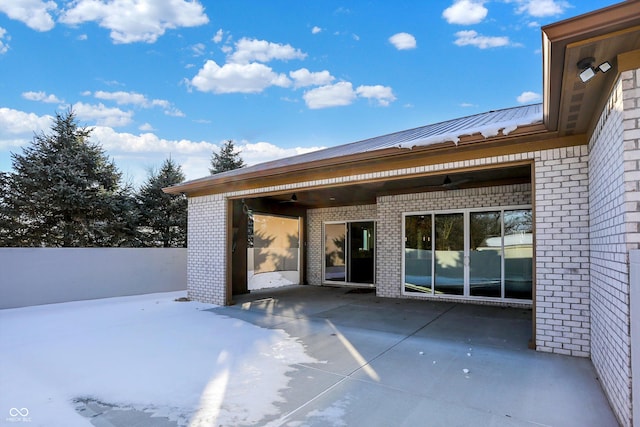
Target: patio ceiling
{"type": "Point", "coordinates": [367, 192]}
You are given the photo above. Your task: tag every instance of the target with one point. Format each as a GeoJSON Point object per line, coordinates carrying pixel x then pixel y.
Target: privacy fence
{"type": "Point", "coordinates": [34, 276]}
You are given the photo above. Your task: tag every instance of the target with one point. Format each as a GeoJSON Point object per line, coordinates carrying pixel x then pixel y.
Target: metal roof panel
{"type": "Point", "coordinates": [488, 124]}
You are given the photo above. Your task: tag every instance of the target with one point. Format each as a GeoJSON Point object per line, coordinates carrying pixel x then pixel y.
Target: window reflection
{"type": "Point", "coordinates": [417, 254]}
{"type": "Point", "coordinates": [500, 254]}
{"type": "Point", "coordinates": [518, 254]}
{"type": "Point", "coordinates": [449, 244]}
{"type": "Point", "coordinates": [485, 254]}
{"type": "Point", "coordinates": [334, 245]}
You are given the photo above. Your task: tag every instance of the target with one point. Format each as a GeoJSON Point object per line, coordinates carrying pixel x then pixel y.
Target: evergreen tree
{"type": "Point", "coordinates": [65, 192]}
{"type": "Point", "coordinates": [227, 159]}
{"type": "Point", "coordinates": [7, 224]}
{"type": "Point", "coordinates": [163, 217]}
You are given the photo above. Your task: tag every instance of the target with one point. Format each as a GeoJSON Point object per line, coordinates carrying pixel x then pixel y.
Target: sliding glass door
{"type": "Point", "coordinates": [349, 252]}
{"type": "Point", "coordinates": [485, 254]}
{"type": "Point", "coordinates": [470, 253]}
{"type": "Point", "coordinates": [449, 254]}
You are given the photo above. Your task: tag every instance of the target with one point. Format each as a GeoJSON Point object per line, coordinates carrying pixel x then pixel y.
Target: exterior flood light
{"type": "Point", "coordinates": [587, 71]}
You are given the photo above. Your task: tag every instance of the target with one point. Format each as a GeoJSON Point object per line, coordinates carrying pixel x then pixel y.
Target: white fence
{"type": "Point", "coordinates": [34, 276]}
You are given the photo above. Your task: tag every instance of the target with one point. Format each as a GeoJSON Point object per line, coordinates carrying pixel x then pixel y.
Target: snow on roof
{"type": "Point", "coordinates": [488, 124]}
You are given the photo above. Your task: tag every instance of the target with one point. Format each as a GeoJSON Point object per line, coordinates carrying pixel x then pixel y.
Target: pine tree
{"type": "Point", "coordinates": [65, 191]}
{"type": "Point", "coordinates": [163, 217]}
{"type": "Point", "coordinates": [7, 225]}
{"type": "Point", "coordinates": [227, 159]}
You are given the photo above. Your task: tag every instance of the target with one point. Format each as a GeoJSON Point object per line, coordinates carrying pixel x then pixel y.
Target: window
{"type": "Point", "coordinates": [483, 253]}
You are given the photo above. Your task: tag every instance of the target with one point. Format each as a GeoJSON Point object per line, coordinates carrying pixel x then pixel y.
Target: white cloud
{"type": "Point", "coordinates": [173, 112]}
{"type": "Point", "coordinates": [264, 152]}
{"type": "Point", "coordinates": [193, 156]}
{"type": "Point", "coordinates": [4, 38]}
{"type": "Point", "coordinates": [41, 97]}
{"type": "Point", "coordinates": [382, 94]}
{"type": "Point", "coordinates": [138, 99]}
{"type": "Point", "coordinates": [18, 123]}
{"type": "Point", "coordinates": [34, 13]}
{"type": "Point", "coordinates": [542, 8]}
{"type": "Point", "coordinates": [316, 30]}
{"type": "Point", "coordinates": [217, 38]}
{"type": "Point", "coordinates": [465, 12]}
{"type": "Point", "coordinates": [304, 77]}
{"type": "Point", "coordinates": [136, 20]}
{"type": "Point", "coordinates": [123, 142]}
{"type": "Point", "coordinates": [198, 49]}
{"type": "Point", "coordinates": [335, 95]}
{"type": "Point", "coordinates": [237, 78]}
{"type": "Point", "coordinates": [472, 38]}
{"type": "Point", "coordinates": [528, 97]}
{"type": "Point", "coordinates": [123, 98]}
{"type": "Point", "coordinates": [101, 115]}
{"type": "Point", "coordinates": [403, 41]}
{"type": "Point", "coordinates": [249, 50]}
{"type": "Point", "coordinates": [135, 154]}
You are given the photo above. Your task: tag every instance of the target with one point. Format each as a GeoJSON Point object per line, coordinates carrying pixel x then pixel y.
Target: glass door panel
{"type": "Point", "coordinates": [418, 254]}
{"type": "Point", "coordinates": [485, 254]}
{"type": "Point", "coordinates": [518, 254]}
{"type": "Point", "coordinates": [449, 253]}
{"type": "Point", "coordinates": [361, 252]}
{"type": "Point", "coordinates": [334, 252]}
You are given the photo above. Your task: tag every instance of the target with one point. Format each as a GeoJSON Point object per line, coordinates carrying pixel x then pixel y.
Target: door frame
{"type": "Point", "coordinates": [348, 254]}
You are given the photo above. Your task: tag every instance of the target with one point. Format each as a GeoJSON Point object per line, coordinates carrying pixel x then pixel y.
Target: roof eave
{"type": "Point", "coordinates": [215, 184]}
{"type": "Point", "coordinates": [556, 37]}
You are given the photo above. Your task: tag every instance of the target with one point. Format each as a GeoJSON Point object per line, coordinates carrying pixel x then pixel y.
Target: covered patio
{"type": "Point", "coordinates": [566, 169]}
{"type": "Point", "coordinates": [406, 362]}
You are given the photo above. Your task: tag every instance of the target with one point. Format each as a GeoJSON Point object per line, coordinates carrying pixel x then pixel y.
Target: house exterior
{"type": "Point", "coordinates": [535, 206]}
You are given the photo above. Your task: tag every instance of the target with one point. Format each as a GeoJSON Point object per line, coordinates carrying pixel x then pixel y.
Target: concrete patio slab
{"type": "Point", "coordinates": [405, 362]}
{"type": "Point", "coordinates": [383, 362]}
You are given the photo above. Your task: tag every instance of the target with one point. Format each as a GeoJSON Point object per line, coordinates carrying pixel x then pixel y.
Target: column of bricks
{"type": "Point", "coordinates": [562, 251]}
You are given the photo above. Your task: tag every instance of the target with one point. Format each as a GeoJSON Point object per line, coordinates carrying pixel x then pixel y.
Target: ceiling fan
{"type": "Point", "coordinates": [449, 184]}
{"type": "Point", "coordinates": [293, 199]}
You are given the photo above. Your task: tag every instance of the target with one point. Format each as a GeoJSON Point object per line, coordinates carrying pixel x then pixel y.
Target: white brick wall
{"type": "Point", "coordinates": [613, 187]}
{"type": "Point", "coordinates": [206, 252]}
{"type": "Point", "coordinates": [562, 251]}
{"type": "Point", "coordinates": [562, 247]}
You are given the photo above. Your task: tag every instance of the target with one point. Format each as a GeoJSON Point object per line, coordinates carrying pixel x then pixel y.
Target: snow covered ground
{"type": "Point", "coordinates": [149, 352]}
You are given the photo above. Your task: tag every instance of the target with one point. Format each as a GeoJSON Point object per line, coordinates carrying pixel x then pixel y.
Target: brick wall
{"type": "Point", "coordinates": [315, 219]}
{"type": "Point", "coordinates": [631, 155]}
{"type": "Point", "coordinates": [613, 185]}
{"type": "Point", "coordinates": [206, 252]}
{"type": "Point", "coordinates": [562, 251]}
{"type": "Point", "coordinates": [390, 209]}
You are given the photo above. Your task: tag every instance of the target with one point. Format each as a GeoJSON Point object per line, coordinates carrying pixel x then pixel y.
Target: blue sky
{"type": "Point", "coordinates": [160, 78]}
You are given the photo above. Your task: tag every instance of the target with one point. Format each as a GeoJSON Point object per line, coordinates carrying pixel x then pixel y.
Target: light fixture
{"type": "Point", "coordinates": [294, 198]}
{"type": "Point", "coordinates": [586, 70]}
